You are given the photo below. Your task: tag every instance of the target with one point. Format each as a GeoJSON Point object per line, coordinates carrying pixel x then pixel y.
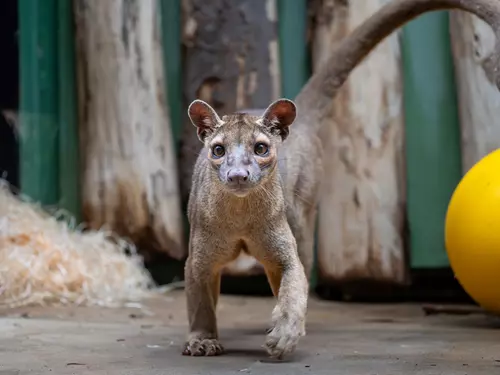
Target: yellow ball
{"type": "Point", "coordinates": [472, 232]}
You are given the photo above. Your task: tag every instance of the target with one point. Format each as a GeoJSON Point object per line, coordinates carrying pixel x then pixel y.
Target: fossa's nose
{"type": "Point", "coordinates": [237, 176]}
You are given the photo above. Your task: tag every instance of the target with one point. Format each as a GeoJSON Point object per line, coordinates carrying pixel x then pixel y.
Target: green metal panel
{"type": "Point", "coordinates": [433, 164]}
{"type": "Point", "coordinates": [170, 21]}
{"type": "Point", "coordinates": [69, 168]}
{"type": "Point", "coordinates": [171, 40]}
{"type": "Point", "coordinates": [294, 57]}
{"type": "Point", "coordinates": [39, 147]}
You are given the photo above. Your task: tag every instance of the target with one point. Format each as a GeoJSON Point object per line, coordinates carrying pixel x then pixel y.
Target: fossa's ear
{"type": "Point", "coordinates": [203, 117]}
{"type": "Point", "coordinates": [279, 116]}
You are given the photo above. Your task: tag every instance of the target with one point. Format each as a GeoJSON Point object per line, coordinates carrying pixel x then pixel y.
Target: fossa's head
{"type": "Point", "coordinates": [242, 149]}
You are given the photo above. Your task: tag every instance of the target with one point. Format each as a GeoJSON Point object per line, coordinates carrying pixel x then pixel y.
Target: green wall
{"type": "Point", "coordinates": [48, 125]}
{"type": "Point", "coordinates": [433, 163]}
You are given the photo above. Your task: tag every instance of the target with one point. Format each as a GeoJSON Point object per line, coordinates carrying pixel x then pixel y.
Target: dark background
{"type": "Point", "coordinates": [9, 89]}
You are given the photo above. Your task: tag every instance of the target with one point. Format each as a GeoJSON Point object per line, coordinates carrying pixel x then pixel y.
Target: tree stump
{"type": "Point", "coordinates": [362, 208]}
{"type": "Point", "coordinates": [129, 179]}
{"type": "Point", "coordinates": [473, 41]}
{"type": "Point", "coordinates": [231, 62]}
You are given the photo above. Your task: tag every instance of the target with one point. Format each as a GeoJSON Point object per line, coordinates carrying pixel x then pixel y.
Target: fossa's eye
{"type": "Point", "coordinates": [218, 151]}
{"type": "Point", "coordinates": [261, 149]}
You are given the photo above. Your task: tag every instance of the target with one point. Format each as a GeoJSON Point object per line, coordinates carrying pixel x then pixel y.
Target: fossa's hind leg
{"type": "Point", "coordinates": [305, 243]}
{"type": "Point", "coordinates": [303, 228]}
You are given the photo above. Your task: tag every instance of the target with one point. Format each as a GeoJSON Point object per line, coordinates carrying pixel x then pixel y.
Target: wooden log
{"type": "Point", "coordinates": [129, 175]}
{"type": "Point", "coordinates": [473, 40]}
{"type": "Point", "coordinates": [231, 62]}
{"type": "Point", "coordinates": [362, 209]}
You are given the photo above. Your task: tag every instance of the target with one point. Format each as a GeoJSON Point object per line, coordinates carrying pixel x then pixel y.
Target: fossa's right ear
{"type": "Point", "coordinates": [203, 117]}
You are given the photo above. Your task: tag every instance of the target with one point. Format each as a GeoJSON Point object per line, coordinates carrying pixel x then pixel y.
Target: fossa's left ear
{"type": "Point", "coordinates": [279, 116]}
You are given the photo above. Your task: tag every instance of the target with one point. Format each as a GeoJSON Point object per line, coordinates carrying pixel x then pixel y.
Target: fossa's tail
{"type": "Point", "coordinates": [325, 83]}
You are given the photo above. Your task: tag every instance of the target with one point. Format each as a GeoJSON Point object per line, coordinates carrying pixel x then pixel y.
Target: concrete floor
{"type": "Point", "coordinates": [342, 339]}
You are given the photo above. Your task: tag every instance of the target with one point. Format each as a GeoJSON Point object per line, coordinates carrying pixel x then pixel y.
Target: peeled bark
{"type": "Point", "coordinates": [129, 178]}
{"type": "Point", "coordinates": [362, 208]}
{"type": "Point", "coordinates": [473, 41]}
{"type": "Point", "coordinates": [231, 62]}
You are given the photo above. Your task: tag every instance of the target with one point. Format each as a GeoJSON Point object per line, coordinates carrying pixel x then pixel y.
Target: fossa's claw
{"type": "Point", "coordinates": [205, 347]}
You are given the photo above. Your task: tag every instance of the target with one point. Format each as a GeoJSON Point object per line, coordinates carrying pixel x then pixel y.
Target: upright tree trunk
{"type": "Point", "coordinates": [479, 102]}
{"type": "Point", "coordinates": [231, 62]}
{"type": "Point", "coordinates": [129, 179]}
{"type": "Point", "coordinates": [362, 208]}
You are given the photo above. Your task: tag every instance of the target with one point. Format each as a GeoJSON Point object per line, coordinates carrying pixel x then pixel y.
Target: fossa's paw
{"type": "Point", "coordinates": [203, 347]}
{"type": "Point", "coordinates": [284, 336]}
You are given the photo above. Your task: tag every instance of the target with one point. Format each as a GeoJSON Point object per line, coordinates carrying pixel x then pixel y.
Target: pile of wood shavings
{"type": "Point", "coordinates": [43, 261]}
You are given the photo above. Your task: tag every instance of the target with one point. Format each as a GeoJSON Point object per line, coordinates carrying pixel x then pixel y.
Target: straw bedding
{"type": "Point", "coordinates": [45, 261]}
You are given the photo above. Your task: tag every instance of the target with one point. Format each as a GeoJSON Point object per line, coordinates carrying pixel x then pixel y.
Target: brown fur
{"type": "Point", "coordinates": [275, 220]}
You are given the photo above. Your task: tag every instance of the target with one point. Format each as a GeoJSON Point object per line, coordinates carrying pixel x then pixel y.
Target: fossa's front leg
{"type": "Point", "coordinates": [277, 251]}
{"type": "Point", "coordinates": [202, 280]}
